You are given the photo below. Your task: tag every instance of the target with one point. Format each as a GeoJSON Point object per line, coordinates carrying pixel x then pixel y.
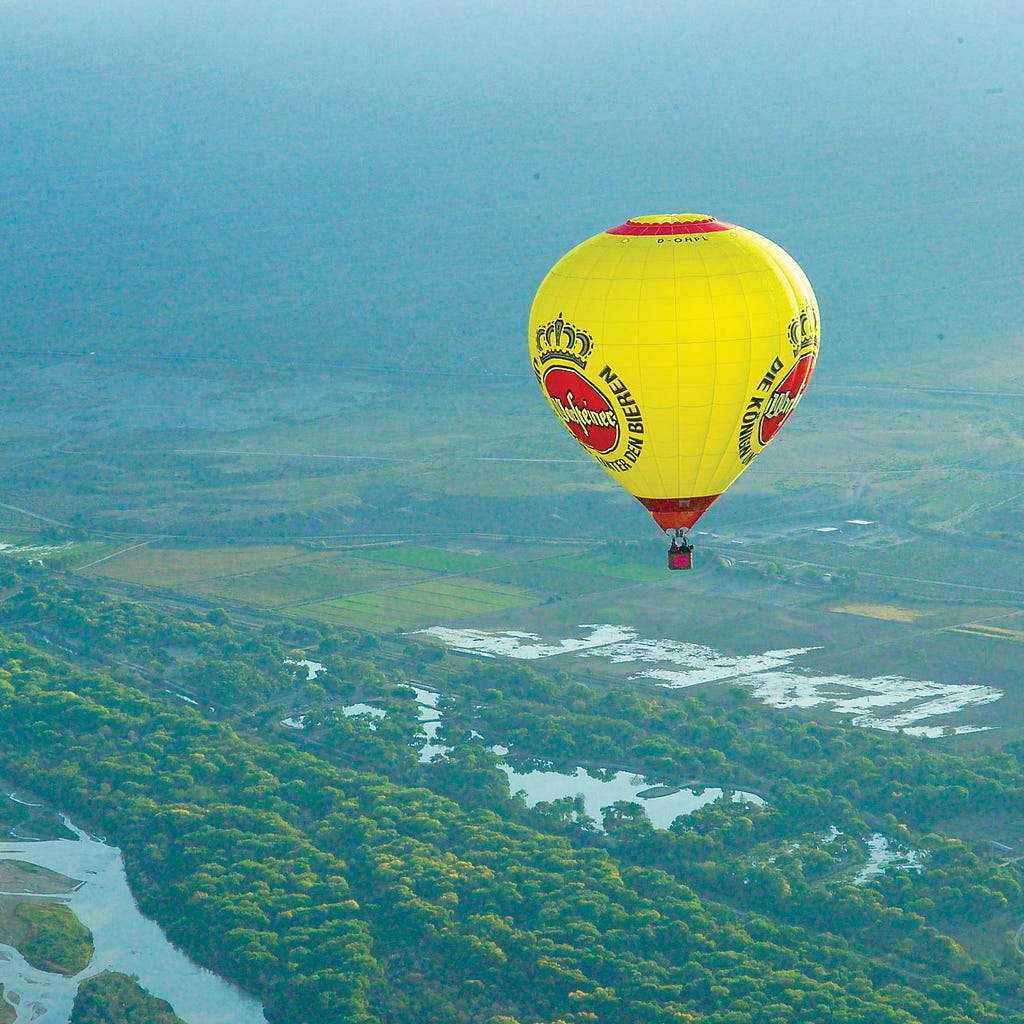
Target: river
{"type": "Point", "coordinates": [124, 941]}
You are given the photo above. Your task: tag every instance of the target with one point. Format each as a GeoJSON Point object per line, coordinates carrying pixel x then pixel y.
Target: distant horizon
{"type": "Point", "coordinates": [252, 182]}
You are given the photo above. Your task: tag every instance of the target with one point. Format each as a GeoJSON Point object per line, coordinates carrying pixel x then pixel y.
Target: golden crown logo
{"type": "Point", "coordinates": [803, 331]}
{"type": "Point", "coordinates": [561, 340]}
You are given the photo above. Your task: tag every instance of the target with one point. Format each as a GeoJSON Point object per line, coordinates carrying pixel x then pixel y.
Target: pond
{"type": "Point", "coordinates": [662, 803]}
{"type": "Point", "coordinates": [882, 855]}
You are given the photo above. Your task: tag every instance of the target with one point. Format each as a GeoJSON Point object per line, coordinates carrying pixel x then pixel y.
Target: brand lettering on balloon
{"type": "Point", "coordinates": [634, 423]}
{"type": "Point", "coordinates": [765, 413]}
{"type": "Point", "coordinates": [750, 415]}
{"type": "Point", "coordinates": [784, 398]}
{"type": "Point", "coordinates": [780, 404]}
{"type": "Point", "coordinates": [601, 414]}
{"type": "Point", "coordinates": [589, 415]}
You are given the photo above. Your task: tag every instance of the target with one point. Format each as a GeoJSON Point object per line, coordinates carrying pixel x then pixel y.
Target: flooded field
{"type": "Point", "coordinates": [892, 703]}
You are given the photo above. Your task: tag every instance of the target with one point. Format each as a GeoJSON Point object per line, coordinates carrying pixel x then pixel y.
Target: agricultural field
{"type": "Point", "coordinates": [176, 566]}
{"type": "Point", "coordinates": [410, 501]}
{"type": "Point", "coordinates": [290, 586]}
{"type": "Point", "coordinates": [883, 612]}
{"type": "Point", "coordinates": [417, 605]}
{"type": "Point", "coordinates": [991, 632]}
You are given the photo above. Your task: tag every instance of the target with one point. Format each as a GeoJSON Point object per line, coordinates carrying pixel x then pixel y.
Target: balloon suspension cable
{"type": "Point", "coordinates": [679, 540]}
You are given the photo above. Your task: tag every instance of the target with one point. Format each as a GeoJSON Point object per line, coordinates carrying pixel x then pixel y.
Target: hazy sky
{"type": "Point", "coordinates": [314, 180]}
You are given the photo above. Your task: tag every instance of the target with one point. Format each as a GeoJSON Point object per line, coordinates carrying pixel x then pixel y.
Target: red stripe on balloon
{"type": "Point", "coordinates": [677, 513]}
{"type": "Point", "coordinates": [674, 227]}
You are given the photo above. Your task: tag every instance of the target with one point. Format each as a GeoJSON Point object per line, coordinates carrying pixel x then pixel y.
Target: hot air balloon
{"type": "Point", "coordinates": [673, 348]}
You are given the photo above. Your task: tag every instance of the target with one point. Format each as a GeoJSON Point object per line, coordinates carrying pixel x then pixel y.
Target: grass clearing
{"type": "Point", "coordinates": [421, 604]}
{"type": "Point", "coordinates": [299, 583]}
{"type": "Point", "coordinates": [155, 565]}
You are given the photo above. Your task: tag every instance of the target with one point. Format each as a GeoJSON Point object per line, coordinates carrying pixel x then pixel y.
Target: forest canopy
{"type": "Point", "coordinates": [337, 878]}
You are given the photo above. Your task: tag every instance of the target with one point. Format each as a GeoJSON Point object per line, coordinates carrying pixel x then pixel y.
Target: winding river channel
{"type": "Point", "coordinates": [124, 941]}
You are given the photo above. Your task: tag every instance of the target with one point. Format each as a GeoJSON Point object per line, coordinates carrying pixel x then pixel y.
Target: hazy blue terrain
{"type": "Point", "coordinates": [354, 183]}
{"type": "Point", "coordinates": [265, 273]}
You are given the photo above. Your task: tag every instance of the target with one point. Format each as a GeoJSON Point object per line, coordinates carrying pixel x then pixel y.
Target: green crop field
{"type": "Point", "coordinates": [311, 515]}
{"type": "Point", "coordinates": [559, 577]}
{"type": "Point", "coordinates": [422, 604]}
{"type": "Point", "coordinates": [611, 562]}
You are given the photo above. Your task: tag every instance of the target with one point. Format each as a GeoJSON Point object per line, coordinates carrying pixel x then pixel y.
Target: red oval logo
{"type": "Point", "coordinates": [783, 399]}
{"type": "Point", "coordinates": [583, 409]}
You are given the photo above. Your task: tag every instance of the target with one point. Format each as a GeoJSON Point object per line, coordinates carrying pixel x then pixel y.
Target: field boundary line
{"type": "Point", "coordinates": [115, 554]}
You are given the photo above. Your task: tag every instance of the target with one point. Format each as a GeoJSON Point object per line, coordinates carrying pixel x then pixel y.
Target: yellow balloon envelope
{"type": "Point", "coordinates": [673, 348]}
